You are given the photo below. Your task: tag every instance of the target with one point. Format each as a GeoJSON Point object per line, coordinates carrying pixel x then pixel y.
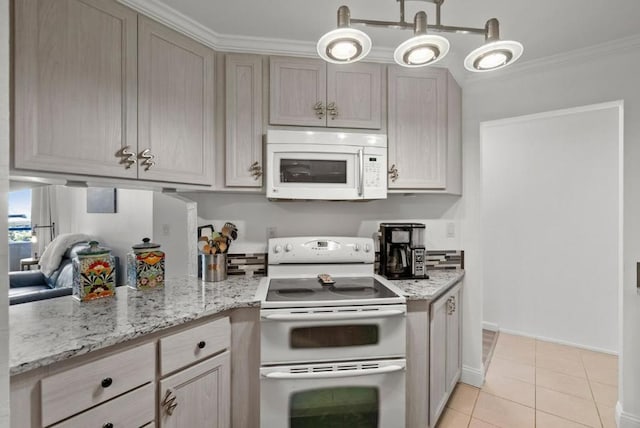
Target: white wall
{"type": "Point", "coordinates": [544, 87]}
{"type": "Point", "coordinates": [550, 225]}
{"type": "Point", "coordinates": [253, 214]}
{"type": "Point", "coordinates": [4, 189]}
{"type": "Point", "coordinates": [119, 231]}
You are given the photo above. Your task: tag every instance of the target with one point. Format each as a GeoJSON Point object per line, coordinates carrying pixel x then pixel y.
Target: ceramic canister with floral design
{"type": "Point", "coordinates": [145, 266]}
{"type": "Point", "coordinates": [94, 273]}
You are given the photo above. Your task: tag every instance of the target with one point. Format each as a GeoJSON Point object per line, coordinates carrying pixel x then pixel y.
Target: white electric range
{"type": "Point", "coordinates": [333, 352]}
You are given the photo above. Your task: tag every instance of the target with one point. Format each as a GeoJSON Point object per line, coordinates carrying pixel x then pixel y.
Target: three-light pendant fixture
{"type": "Point", "coordinates": [345, 44]}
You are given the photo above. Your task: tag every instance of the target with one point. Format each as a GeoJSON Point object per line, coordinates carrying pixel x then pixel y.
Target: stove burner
{"type": "Point", "coordinates": [295, 293]}
{"type": "Point", "coordinates": [355, 291]}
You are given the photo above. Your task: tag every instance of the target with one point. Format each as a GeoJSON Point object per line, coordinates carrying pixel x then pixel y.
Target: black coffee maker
{"type": "Point", "coordinates": [402, 251]}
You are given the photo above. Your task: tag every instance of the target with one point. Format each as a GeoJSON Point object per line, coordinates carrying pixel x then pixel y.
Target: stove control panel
{"type": "Point", "coordinates": [321, 249]}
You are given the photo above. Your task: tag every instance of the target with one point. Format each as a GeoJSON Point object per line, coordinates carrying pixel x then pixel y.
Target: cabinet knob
{"type": "Point", "coordinates": [320, 110]}
{"type": "Point", "coordinates": [202, 344]}
{"type": "Point", "coordinates": [106, 382]}
{"type": "Point", "coordinates": [393, 173]}
{"type": "Point", "coordinates": [127, 157]}
{"type": "Point", "coordinates": [148, 159]}
{"type": "Point", "coordinates": [107, 425]}
{"type": "Point", "coordinates": [332, 109]}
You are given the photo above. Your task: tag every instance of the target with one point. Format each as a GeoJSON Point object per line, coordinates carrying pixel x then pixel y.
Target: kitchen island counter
{"type": "Point", "coordinates": [48, 331]}
{"type": "Point", "coordinates": [52, 330]}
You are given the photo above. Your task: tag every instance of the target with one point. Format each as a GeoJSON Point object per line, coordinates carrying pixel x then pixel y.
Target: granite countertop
{"type": "Point", "coordinates": [48, 331]}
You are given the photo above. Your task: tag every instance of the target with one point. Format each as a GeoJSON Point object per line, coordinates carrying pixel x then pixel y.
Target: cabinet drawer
{"type": "Point", "coordinates": [134, 409]}
{"type": "Point", "coordinates": [72, 391]}
{"type": "Point", "coordinates": [187, 347]}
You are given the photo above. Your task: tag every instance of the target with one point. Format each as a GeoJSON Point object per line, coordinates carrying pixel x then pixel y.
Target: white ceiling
{"type": "Point", "coordinates": [545, 27]}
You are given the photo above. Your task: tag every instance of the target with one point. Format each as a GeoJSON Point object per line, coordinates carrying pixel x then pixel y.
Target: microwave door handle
{"type": "Point", "coordinates": [333, 316]}
{"type": "Point", "coordinates": [360, 172]}
{"type": "Point", "coordinates": [328, 375]}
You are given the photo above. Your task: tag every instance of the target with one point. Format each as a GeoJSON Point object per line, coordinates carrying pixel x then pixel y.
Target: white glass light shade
{"type": "Point", "coordinates": [493, 56]}
{"type": "Point", "coordinates": [344, 45]}
{"type": "Point", "coordinates": [421, 50]}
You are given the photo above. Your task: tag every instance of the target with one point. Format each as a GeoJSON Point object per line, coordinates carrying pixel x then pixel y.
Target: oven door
{"type": "Point", "coordinates": [314, 172]}
{"type": "Point", "coordinates": [339, 395]}
{"type": "Point", "coordinates": [297, 335]}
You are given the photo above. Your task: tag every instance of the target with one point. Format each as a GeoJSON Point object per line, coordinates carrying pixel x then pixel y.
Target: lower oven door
{"type": "Point", "coordinates": [365, 394]}
{"type": "Point", "coordinates": [299, 335]}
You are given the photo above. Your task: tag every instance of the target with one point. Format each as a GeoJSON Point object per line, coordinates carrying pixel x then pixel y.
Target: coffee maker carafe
{"type": "Point", "coordinates": [402, 251]}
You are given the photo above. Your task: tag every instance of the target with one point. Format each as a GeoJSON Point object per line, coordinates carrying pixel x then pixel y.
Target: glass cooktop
{"type": "Point", "coordinates": [312, 289]}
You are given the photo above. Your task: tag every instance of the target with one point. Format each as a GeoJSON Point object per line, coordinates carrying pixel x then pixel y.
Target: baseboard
{"type": "Point", "coordinates": [491, 326]}
{"type": "Point", "coordinates": [472, 376]}
{"type": "Point", "coordinates": [559, 342]}
{"type": "Point", "coordinates": [626, 420]}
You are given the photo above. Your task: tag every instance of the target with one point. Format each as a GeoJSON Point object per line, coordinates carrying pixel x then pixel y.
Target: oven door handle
{"type": "Point", "coordinates": [360, 172]}
{"type": "Point", "coordinates": [337, 374]}
{"type": "Point", "coordinates": [334, 316]}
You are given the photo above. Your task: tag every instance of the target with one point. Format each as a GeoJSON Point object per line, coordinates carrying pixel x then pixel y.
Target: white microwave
{"type": "Point", "coordinates": [326, 165]}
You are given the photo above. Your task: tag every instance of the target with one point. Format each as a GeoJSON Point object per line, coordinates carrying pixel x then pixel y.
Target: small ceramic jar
{"type": "Point", "coordinates": [145, 266]}
{"type": "Point", "coordinates": [94, 273]}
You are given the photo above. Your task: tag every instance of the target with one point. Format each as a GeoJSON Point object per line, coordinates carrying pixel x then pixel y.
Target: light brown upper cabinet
{"type": "Point", "coordinates": [424, 126]}
{"type": "Point", "coordinates": [75, 86]}
{"type": "Point", "coordinates": [243, 118]}
{"type": "Point", "coordinates": [311, 92]}
{"type": "Point", "coordinates": [176, 106]}
{"type": "Point", "coordinates": [99, 93]}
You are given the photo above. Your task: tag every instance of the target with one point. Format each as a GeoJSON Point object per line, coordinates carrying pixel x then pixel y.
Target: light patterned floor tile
{"type": "Point", "coordinates": [512, 369]}
{"type": "Point", "coordinates": [477, 423]}
{"type": "Point", "coordinates": [561, 365]}
{"type": "Point", "coordinates": [602, 368]}
{"type": "Point", "coordinates": [524, 353]}
{"type": "Point", "coordinates": [563, 383]}
{"type": "Point", "coordinates": [554, 350]}
{"type": "Point", "coordinates": [607, 416]}
{"type": "Point", "coordinates": [604, 394]}
{"type": "Point", "coordinates": [463, 398]}
{"type": "Point", "coordinates": [567, 406]}
{"type": "Point", "coordinates": [545, 420]}
{"type": "Point", "coordinates": [453, 419]}
{"type": "Point", "coordinates": [503, 413]}
{"type": "Point", "coordinates": [510, 389]}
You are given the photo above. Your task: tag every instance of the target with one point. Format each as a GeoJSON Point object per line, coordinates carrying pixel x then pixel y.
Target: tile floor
{"type": "Point", "coordinates": [531, 383]}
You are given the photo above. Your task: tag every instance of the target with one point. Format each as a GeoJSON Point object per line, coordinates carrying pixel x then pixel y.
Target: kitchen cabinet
{"type": "Point", "coordinates": [424, 131]}
{"type": "Point", "coordinates": [101, 91]}
{"type": "Point", "coordinates": [311, 92]}
{"type": "Point", "coordinates": [243, 121]}
{"type": "Point", "coordinates": [197, 396]}
{"type": "Point", "coordinates": [75, 78]}
{"type": "Point", "coordinates": [176, 106]}
{"type": "Point", "coordinates": [445, 362]}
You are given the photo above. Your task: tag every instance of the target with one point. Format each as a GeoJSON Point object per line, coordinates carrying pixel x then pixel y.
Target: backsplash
{"type": "Point", "coordinates": [256, 263]}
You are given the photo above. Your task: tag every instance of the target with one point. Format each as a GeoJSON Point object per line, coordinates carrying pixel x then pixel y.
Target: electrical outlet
{"type": "Point", "coordinates": [272, 232]}
{"type": "Point", "coordinates": [451, 230]}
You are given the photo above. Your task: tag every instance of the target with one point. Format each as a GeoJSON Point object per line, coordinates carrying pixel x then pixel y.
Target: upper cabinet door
{"type": "Point", "coordinates": [417, 128]}
{"type": "Point", "coordinates": [176, 106]}
{"type": "Point", "coordinates": [75, 86]}
{"type": "Point", "coordinates": [298, 91]}
{"type": "Point", "coordinates": [243, 93]}
{"type": "Point", "coordinates": [354, 95]}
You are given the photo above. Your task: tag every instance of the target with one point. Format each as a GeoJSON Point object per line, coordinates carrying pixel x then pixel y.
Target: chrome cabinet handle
{"type": "Point", "coordinates": [450, 306]}
{"type": "Point", "coordinates": [256, 170]}
{"type": "Point", "coordinates": [331, 316]}
{"type": "Point", "coordinates": [169, 402]}
{"type": "Point", "coordinates": [332, 109]}
{"type": "Point", "coordinates": [393, 173]}
{"type": "Point", "coordinates": [127, 157]}
{"type": "Point", "coordinates": [148, 161]}
{"type": "Point", "coordinates": [320, 110]}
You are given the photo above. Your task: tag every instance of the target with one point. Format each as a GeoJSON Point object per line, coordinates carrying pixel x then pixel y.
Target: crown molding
{"type": "Point", "coordinates": [577, 56]}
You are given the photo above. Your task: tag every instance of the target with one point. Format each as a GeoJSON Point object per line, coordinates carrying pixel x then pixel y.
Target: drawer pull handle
{"type": "Point", "coordinates": [202, 344]}
{"type": "Point", "coordinates": [107, 425]}
{"type": "Point", "coordinates": [106, 382]}
{"type": "Point", "coordinates": [169, 402]}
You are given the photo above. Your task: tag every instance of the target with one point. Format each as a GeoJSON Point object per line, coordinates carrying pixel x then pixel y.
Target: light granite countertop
{"type": "Point", "coordinates": [48, 331]}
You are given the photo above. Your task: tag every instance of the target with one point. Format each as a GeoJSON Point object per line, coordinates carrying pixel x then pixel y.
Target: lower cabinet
{"type": "Point", "coordinates": [445, 362]}
{"type": "Point", "coordinates": [197, 396]}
